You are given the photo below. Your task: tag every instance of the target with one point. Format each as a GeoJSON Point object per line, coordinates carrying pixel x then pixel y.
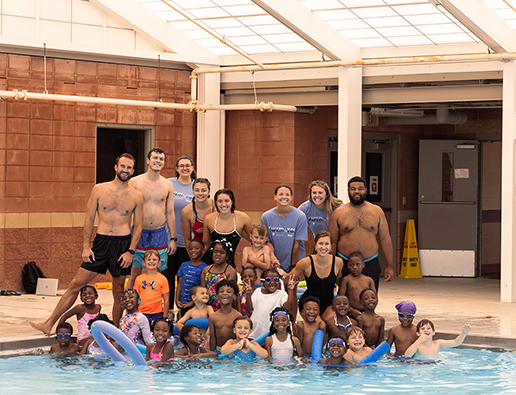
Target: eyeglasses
{"type": "Point", "coordinates": [63, 335]}
{"type": "Point", "coordinates": [281, 312]}
{"type": "Point", "coordinates": [337, 340]}
{"type": "Point", "coordinates": [408, 315]}
{"type": "Point", "coordinates": [268, 279]}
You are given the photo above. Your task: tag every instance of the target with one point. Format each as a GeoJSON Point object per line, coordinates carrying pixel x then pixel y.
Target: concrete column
{"type": "Point", "coordinates": [210, 133]}
{"type": "Point", "coordinates": [508, 248]}
{"type": "Point", "coordinates": [350, 127]}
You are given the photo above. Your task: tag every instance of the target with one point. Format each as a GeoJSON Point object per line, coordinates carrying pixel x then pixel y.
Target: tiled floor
{"type": "Point", "coordinates": [448, 302]}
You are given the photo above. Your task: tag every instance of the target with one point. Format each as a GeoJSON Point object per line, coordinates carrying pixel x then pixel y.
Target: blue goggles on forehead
{"type": "Point", "coordinates": [337, 340]}
{"type": "Point", "coordinates": [268, 279]}
{"type": "Point", "coordinates": [408, 315]}
{"type": "Point", "coordinates": [276, 313]}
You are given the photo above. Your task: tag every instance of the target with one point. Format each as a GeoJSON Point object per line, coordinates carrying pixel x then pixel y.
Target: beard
{"type": "Point", "coordinates": [356, 202]}
{"type": "Point", "coordinates": [122, 177]}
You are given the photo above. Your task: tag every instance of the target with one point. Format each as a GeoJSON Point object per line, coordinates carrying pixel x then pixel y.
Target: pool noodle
{"type": "Point", "coordinates": [376, 354]}
{"type": "Point", "coordinates": [202, 323]}
{"type": "Point", "coordinates": [317, 345]}
{"type": "Point", "coordinates": [261, 339]}
{"type": "Point", "coordinates": [100, 327]}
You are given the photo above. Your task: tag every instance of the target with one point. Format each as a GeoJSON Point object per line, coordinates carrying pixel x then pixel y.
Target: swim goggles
{"type": "Point", "coordinates": [63, 335]}
{"type": "Point", "coordinates": [337, 340]}
{"type": "Point", "coordinates": [276, 313]}
{"type": "Point", "coordinates": [408, 315]}
{"type": "Point", "coordinates": [340, 326]}
{"type": "Point", "coordinates": [268, 279]}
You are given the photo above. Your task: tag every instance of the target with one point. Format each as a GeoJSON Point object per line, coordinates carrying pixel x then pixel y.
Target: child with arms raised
{"type": "Point", "coordinates": [353, 284]}
{"type": "Point", "coordinates": [280, 344]}
{"type": "Point", "coordinates": [152, 287]}
{"type": "Point", "coordinates": [134, 324]}
{"type": "Point", "coordinates": [304, 330]}
{"type": "Point", "coordinates": [372, 324]}
{"type": "Point", "coordinates": [192, 338]}
{"type": "Point", "coordinates": [404, 334]}
{"type": "Point", "coordinates": [84, 312]}
{"type": "Point", "coordinates": [357, 351]}
{"type": "Point", "coordinates": [337, 349]}
{"type": "Point", "coordinates": [189, 275]}
{"type": "Point", "coordinates": [64, 343]}
{"type": "Point", "coordinates": [162, 350]}
{"type": "Point", "coordinates": [426, 346]}
{"type": "Point", "coordinates": [199, 296]}
{"type": "Point", "coordinates": [337, 325]}
{"type": "Point", "coordinates": [221, 322]}
{"type": "Point", "coordinates": [241, 348]}
{"type": "Point", "coordinates": [266, 299]}
{"type": "Point", "coordinates": [257, 255]}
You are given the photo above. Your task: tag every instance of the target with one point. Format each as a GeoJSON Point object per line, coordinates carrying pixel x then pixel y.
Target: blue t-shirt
{"type": "Point", "coordinates": [191, 275]}
{"type": "Point", "coordinates": [316, 217]}
{"type": "Point", "coordinates": [183, 195]}
{"type": "Point", "coordinates": [282, 233]}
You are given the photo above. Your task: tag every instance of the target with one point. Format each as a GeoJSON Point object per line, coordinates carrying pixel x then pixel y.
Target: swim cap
{"type": "Point", "coordinates": [406, 305]}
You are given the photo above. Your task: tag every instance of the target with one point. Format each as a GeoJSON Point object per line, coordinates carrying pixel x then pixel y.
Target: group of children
{"type": "Point", "coordinates": [237, 317]}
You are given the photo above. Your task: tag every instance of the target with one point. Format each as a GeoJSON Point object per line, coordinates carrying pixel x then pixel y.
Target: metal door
{"type": "Point", "coordinates": [448, 207]}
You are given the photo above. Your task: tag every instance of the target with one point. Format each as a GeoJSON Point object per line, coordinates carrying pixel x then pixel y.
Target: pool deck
{"type": "Point", "coordinates": [448, 302]}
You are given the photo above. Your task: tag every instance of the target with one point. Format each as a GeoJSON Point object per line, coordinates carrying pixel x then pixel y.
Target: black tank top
{"type": "Point", "coordinates": [321, 288]}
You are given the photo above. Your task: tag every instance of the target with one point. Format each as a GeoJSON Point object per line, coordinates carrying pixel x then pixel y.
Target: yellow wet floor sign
{"type": "Point", "coordinates": [410, 262]}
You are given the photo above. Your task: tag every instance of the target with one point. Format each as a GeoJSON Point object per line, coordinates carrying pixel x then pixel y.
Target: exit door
{"type": "Point", "coordinates": [448, 207]}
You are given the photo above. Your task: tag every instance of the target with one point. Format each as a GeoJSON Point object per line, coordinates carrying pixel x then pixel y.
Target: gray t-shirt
{"type": "Point", "coordinates": [183, 195]}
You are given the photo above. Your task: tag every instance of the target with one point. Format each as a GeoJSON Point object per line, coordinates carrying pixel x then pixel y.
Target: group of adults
{"type": "Point", "coordinates": [152, 212]}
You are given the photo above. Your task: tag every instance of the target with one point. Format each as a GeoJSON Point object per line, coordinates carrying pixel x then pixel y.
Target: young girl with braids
{"type": "Point", "coordinates": [222, 256]}
{"type": "Point", "coordinates": [280, 344]}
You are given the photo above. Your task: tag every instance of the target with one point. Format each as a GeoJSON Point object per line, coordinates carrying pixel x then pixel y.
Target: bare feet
{"type": "Point", "coordinates": [41, 326]}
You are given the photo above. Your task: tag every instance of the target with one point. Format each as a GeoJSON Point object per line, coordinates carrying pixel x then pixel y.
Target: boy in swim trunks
{"type": "Point", "coordinates": [64, 343]}
{"type": "Point", "coordinates": [337, 325]}
{"type": "Point", "coordinates": [305, 330]}
{"type": "Point", "coordinates": [404, 334]}
{"type": "Point", "coordinates": [221, 322]}
{"type": "Point", "coordinates": [257, 255]}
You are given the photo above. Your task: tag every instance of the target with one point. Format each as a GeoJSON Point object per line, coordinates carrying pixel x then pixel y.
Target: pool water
{"type": "Point", "coordinates": [459, 371]}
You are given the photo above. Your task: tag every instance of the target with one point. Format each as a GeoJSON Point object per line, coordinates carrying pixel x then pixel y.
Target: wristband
{"type": "Point", "coordinates": [131, 252]}
{"type": "Point", "coordinates": [173, 239]}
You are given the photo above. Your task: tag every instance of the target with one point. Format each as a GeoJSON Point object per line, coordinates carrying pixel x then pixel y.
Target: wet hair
{"type": "Point", "coordinates": [321, 234]}
{"type": "Point", "coordinates": [310, 299]}
{"type": "Point", "coordinates": [423, 322]}
{"type": "Point", "coordinates": [365, 290]}
{"type": "Point", "coordinates": [194, 289]}
{"type": "Point", "coordinates": [89, 286]}
{"type": "Point", "coordinates": [100, 317]}
{"type": "Point", "coordinates": [129, 291]}
{"type": "Point", "coordinates": [148, 253]}
{"type": "Point", "coordinates": [243, 318]}
{"type": "Point", "coordinates": [125, 155]}
{"type": "Point", "coordinates": [282, 186]}
{"type": "Point", "coordinates": [227, 283]}
{"type": "Point", "coordinates": [273, 330]}
{"type": "Point", "coordinates": [193, 176]}
{"type": "Point", "coordinates": [353, 330]}
{"type": "Point", "coordinates": [65, 325]}
{"type": "Point", "coordinates": [330, 203]}
{"type": "Point", "coordinates": [248, 268]}
{"type": "Point", "coordinates": [264, 273]}
{"type": "Point", "coordinates": [202, 181]}
{"type": "Point", "coordinates": [357, 254]}
{"type": "Point", "coordinates": [166, 321]}
{"type": "Point", "coordinates": [158, 151]}
{"type": "Point", "coordinates": [228, 247]}
{"type": "Point", "coordinates": [357, 179]}
{"type": "Point", "coordinates": [185, 331]}
{"type": "Point", "coordinates": [225, 191]}
{"type": "Point", "coordinates": [260, 229]}
{"type": "Point", "coordinates": [197, 241]}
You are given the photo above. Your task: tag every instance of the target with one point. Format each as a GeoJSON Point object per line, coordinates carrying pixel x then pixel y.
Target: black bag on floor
{"type": "Point", "coordinates": [30, 274]}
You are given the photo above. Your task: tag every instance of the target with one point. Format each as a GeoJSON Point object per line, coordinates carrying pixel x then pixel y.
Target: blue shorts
{"type": "Point", "coordinates": [156, 239]}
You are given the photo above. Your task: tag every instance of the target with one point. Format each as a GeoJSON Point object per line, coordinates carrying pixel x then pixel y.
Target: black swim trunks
{"type": "Point", "coordinates": [107, 250]}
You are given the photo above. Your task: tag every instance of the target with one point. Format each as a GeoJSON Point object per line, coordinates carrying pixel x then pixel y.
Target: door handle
{"type": "Point", "coordinates": [452, 203]}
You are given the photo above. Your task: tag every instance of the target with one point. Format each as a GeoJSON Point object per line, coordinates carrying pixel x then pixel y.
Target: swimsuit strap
{"type": "Point", "coordinates": [226, 268]}
{"type": "Point", "coordinates": [193, 208]}
{"type": "Point", "coordinates": [333, 265]}
{"type": "Point", "coordinates": [313, 265]}
{"type": "Point", "coordinates": [215, 224]}
{"type": "Point", "coordinates": [234, 222]}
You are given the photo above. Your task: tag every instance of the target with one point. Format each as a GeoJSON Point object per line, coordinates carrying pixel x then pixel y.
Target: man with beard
{"type": "Point", "coordinates": [158, 209]}
{"type": "Point", "coordinates": [357, 226]}
{"type": "Point", "coordinates": [116, 203]}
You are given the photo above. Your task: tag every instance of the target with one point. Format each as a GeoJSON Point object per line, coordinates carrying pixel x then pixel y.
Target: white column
{"type": "Point", "coordinates": [210, 133]}
{"type": "Point", "coordinates": [350, 127]}
{"type": "Point", "coordinates": [508, 248]}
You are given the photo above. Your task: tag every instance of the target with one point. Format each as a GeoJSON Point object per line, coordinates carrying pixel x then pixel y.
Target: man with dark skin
{"type": "Point", "coordinates": [360, 226]}
{"type": "Point", "coordinates": [117, 205]}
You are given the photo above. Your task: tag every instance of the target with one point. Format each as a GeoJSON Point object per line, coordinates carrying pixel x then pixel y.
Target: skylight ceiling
{"type": "Point", "coordinates": [365, 23]}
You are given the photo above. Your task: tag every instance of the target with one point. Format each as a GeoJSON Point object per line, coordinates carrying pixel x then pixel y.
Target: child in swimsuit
{"type": "Point", "coordinates": [90, 346]}
{"type": "Point", "coordinates": [84, 312]}
{"type": "Point", "coordinates": [337, 325]}
{"type": "Point", "coordinates": [241, 348]}
{"type": "Point", "coordinates": [162, 350]}
{"type": "Point", "coordinates": [221, 252]}
{"type": "Point", "coordinates": [280, 344]}
{"type": "Point", "coordinates": [248, 276]}
{"type": "Point", "coordinates": [64, 343]}
{"type": "Point", "coordinates": [134, 324]}
{"type": "Point", "coordinates": [191, 337]}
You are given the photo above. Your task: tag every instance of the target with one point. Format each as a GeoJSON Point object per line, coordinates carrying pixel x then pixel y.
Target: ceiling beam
{"type": "Point", "coordinates": [483, 22]}
{"type": "Point", "coordinates": [154, 28]}
{"type": "Point", "coordinates": [311, 28]}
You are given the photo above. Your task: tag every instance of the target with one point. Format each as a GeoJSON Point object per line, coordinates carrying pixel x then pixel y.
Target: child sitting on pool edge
{"type": "Point", "coordinates": [426, 346]}
{"type": "Point", "coordinates": [64, 345]}
{"type": "Point", "coordinates": [404, 334]}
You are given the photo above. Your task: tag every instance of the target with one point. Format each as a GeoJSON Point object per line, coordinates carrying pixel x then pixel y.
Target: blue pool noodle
{"type": "Point", "coordinates": [317, 345]}
{"type": "Point", "coordinates": [202, 323]}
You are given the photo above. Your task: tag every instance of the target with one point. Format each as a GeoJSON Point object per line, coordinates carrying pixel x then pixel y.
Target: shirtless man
{"type": "Point", "coordinates": [116, 203]}
{"type": "Point", "coordinates": [158, 209]}
{"type": "Point", "coordinates": [358, 226]}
